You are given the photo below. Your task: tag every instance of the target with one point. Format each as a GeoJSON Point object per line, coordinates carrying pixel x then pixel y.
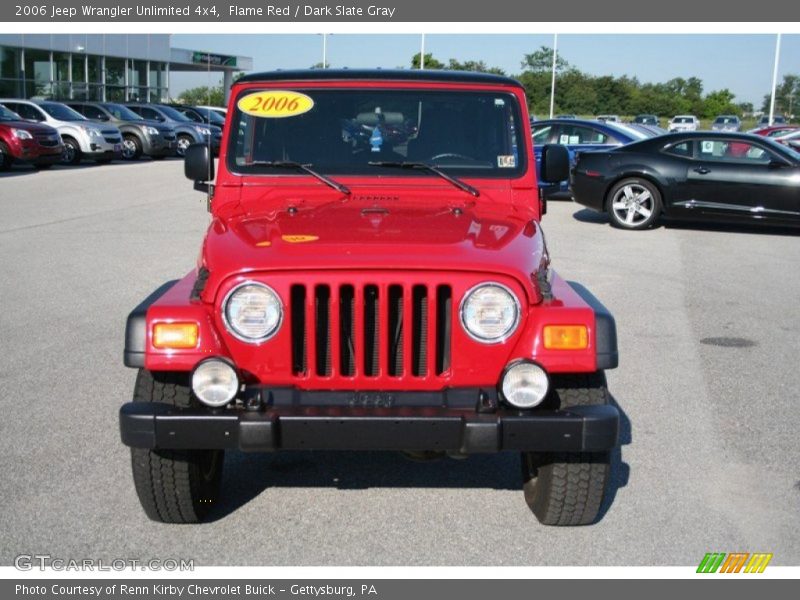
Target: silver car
{"type": "Point", "coordinates": [82, 138]}
{"type": "Point", "coordinates": [726, 123]}
{"type": "Point", "coordinates": [684, 123]}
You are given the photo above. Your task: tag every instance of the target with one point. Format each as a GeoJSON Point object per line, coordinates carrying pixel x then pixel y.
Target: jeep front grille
{"type": "Point", "coordinates": [373, 330]}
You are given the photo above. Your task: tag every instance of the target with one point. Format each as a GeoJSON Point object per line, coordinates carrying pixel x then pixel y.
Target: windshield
{"type": "Point", "coordinates": [8, 115]}
{"type": "Point", "coordinates": [725, 120]}
{"type": "Point", "coordinates": [173, 114]}
{"type": "Point", "coordinates": [210, 115]}
{"type": "Point", "coordinates": [683, 120]}
{"type": "Point", "coordinates": [343, 131]}
{"type": "Point", "coordinates": [62, 112]}
{"type": "Point", "coordinates": [123, 113]}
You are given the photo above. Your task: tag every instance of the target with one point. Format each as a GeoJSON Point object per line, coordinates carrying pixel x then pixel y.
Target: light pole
{"type": "Point", "coordinates": [774, 78]}
{"type": "Point", "coordinates": [422, 53]}
{"type": "Point", "coordinates": [553, 78]}
{"type": "Point", "coordinates": [324, 50]}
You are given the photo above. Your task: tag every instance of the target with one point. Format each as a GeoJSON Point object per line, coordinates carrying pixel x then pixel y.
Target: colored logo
{"type": "Point", "coordinates": [299, 239]}
{"type": "Point", "coordinates": [735, 562]}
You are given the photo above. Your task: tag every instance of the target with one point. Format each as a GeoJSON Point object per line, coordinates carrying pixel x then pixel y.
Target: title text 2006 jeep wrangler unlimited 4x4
{"type": "Point", "coordinates": [374, 277]}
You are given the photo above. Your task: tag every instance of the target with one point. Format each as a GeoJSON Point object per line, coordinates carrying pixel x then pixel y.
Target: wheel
{"type": "Point", "coordinates": [72, 152]}
{"type": "Point", "coordinates": [174, 486]}
{"type": "Point", "coordinates": [567, 488]}
{"type": "Point", "coordinates": [5, 157]}
{"type": "Point", "coordinates": [633, 204]}
{"type": "Point", "coordinates": [184, 141]}
{"type": "Point", "coordinates": [131, 147]}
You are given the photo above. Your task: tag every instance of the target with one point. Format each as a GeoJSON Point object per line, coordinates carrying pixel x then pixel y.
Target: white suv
{"type": "Point", "coordinates": [684, 123]}
{"type": "Point", "coordinates": [81, 137]}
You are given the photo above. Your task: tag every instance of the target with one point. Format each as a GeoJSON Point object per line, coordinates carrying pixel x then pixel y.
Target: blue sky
{"type": "Point", "coordinates": [741, 63]}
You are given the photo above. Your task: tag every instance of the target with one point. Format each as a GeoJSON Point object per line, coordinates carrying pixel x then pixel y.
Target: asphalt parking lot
{"type": "Point", "coordinates": [709, 328]}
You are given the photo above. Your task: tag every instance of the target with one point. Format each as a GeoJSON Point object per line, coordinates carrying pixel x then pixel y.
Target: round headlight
{"type": "Point", "coordinates": [252, 312]}
{"type": "Point", "coordinates": [215, 382]}
{"type": "Point", "coordinates": [490, 313]}
{"type": "Point", "coordinates": [524, 385]}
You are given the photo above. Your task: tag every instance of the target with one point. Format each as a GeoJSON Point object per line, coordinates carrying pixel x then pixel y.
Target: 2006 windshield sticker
{"type": "Point", "coordinates": [275, 104]}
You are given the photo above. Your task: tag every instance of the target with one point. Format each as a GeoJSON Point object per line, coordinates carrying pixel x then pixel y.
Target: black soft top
{"type": "Point", "coordinates": [381, 75]}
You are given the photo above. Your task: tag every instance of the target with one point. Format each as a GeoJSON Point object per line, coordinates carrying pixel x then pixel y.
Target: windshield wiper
{"type": "Point", "coordinates": [290, 164]}
{"type": "Point", "coordinates": [432, 168]}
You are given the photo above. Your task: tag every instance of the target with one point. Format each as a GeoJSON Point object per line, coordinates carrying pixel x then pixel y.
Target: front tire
{"type": "Point", "coordinates": [5, 157]}
{"type": "Point", "coordinates": [72, 152]}
{"type": "Point", "coordinates": [174, 486]}
{"type": "Point", "coordinates": [633, 203]}
{"type": "Point", "coordinates": [131, 147]}
{"type": "Point", "coordinates": [568, 488]}
{"type": "Point", "coordinates": [184, 141]}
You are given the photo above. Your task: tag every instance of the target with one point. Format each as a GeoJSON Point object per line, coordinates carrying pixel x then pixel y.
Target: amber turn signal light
{"type": "Point", "coordinates": [175, 335]}
{"type": "Point", "coordinates": [566, 337]}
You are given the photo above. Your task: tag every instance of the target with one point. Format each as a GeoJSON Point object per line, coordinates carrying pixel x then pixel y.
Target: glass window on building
{"type": "Point", "coordinates": [158, 74]}
{"type": "Point", "coordinates": [115, 71]}
{"type": "Point", "coordinates": [10, 72]}
{"type": "Point", "coordinates": [61, 87]}
{"type": "Point", "coordinates": [37, 73]}
{"type": "Point", "coordinates": [79, 68]}
{"type": "Point", "coordinates": [115, 93]}
{"type": "Point", "coordinates": [95, 67]}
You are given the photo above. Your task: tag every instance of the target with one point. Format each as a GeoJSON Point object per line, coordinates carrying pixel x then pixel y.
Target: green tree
{"type": "Point", "coordinates": [719, 102]}
{"type": "Point", "coordinates": [787, 96]}
{"type": "Point", "coordinates": [542, 60]}
{"type": "Point", "coordinates": [204, 95]}
{"type": "Point", "coordinates": [430, 62]}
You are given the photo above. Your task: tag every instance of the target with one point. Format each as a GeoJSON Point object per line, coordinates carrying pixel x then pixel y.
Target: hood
{"type": "Point", "coordinates": [376, 233]}
{"type": "Point", "coordinates": [31, 127]}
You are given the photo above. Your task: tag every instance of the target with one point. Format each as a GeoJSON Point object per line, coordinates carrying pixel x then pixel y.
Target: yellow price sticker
{"type": "Point", "coordinates": [276, 104]}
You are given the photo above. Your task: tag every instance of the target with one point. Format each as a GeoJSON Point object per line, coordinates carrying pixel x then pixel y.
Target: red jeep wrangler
{"type": "Point", "coordinates": [374, 277]}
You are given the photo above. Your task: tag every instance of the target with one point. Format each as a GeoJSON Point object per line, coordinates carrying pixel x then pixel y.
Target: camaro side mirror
{"type": "Point", "coordinates": [555, 163]}
{"type": "Point", "coordinates": [198, 166]}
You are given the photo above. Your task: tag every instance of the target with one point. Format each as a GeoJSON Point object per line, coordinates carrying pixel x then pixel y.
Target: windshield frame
{"type": "Point", "coordinates": [11, 116]}
{"type": "Point", "coordinates": [524, 152]}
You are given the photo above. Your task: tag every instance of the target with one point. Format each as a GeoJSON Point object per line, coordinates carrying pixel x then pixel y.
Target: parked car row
{"type": "Point", "coordinates": [46, 132]}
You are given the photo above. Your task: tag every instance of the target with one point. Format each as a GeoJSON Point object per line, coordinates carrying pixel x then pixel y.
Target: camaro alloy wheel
{"type": "Point", "coordinates": [634, 204]}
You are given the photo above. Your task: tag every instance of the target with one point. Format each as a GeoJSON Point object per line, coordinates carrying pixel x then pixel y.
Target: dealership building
{"type": "Point", "coordinates": [102, 67]}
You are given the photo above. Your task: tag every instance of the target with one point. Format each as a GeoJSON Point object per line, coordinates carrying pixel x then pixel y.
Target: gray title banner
{"type": "Point", "coordinates": [384, 589]}
{"type": "Point", "coordinates": [400, 11]}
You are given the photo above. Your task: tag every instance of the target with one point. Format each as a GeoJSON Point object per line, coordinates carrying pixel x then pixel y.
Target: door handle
{"type": "Point", "coordinates": [702, 170]}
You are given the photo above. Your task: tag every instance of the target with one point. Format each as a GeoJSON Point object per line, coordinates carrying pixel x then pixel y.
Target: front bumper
{"type": "Point", "coordinates": [577, 429]}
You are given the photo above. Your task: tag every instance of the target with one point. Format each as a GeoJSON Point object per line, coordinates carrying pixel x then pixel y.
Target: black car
{"type": "Point", "coordinates": [692, 175]}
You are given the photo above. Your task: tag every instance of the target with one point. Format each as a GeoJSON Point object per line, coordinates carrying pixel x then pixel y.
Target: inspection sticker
{"type": "Point", "coordinates": [275, 104]}
{"type": "Point", "coordinates": [506, 161]}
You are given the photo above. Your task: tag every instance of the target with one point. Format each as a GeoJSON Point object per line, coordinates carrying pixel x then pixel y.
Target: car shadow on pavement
{"type": "Point", "coordinates": [246, 476]}
{"type": "Point", "coordinates": [586, 215]}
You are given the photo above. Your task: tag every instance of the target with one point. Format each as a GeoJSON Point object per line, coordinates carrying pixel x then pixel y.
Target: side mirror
{"type": "Point", "coordinates": [198, 166]}
{"type": "Point", "coordinates": [555, 163]}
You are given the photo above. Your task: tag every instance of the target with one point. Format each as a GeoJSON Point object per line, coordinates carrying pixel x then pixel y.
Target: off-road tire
{"type": "Point", "coordinates": [174, 486]}
{"type": "Point", "coordinates": [568, 488]}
